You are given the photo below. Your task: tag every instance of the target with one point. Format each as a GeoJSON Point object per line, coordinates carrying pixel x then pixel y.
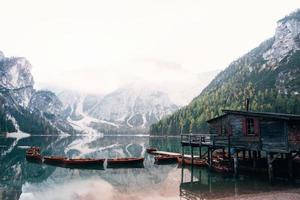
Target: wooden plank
{"type": "Point", "coordinates": [166, 153]}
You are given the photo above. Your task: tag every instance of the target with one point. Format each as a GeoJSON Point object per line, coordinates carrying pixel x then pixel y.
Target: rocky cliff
{"type": "Point", "coordinates": [22, 107]}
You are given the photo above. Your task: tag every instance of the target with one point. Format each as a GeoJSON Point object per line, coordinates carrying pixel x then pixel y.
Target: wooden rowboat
{"type": "Point", "coordinates": [83, 161]}
{"type": "Point", "coordinates": [33, 150]}
{"type": "Point", "coordinates": [222, 168]}
{"type": "Point", "coordinates": [54, 160]}
{"type": "Point", "coordinates": [165, 159]}
{"type": "Point", "coordinates": [33, 155]}
{"type": "Point", "coordinates": [188, 161]}
{"type": "Point", "coordinates": [34, 158]}
{"type": "Point", "coordinates": [151, 150]}
{"type": "Point", "coordinates": [125, 162]}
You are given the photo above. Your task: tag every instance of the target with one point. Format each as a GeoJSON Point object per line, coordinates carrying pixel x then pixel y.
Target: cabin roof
{"type": "Point", "coordinates": [283, 116]}
{"type": "Point", "coordinates": [216, 118]}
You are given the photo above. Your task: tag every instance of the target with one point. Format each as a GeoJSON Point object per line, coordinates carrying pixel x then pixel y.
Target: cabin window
{"type": "Point", "coordinates": [250, 126]}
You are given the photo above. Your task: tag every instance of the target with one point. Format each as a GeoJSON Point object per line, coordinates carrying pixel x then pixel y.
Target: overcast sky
{"type": "Point", "coordinates": [97, 46]}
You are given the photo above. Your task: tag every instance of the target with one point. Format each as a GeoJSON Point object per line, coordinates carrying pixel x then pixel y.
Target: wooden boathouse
{"type": "Point", "coordinates": [261, 137]}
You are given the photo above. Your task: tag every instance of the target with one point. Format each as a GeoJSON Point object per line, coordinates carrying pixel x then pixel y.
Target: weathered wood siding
{"type": "Point", "coordinates": [236, 123]}
{"type": "Point", "coordinates": [219, 127]}
{"type": "Point", "coordinates": [239, 138]}
{"type": "Point", "coordinates": [294, 135]}
{"type": "Point", "coordinates": [231, 127]}
{"type": "Point", "coordinates": [215, 127]}
{"type": "Point", "coordinates": [273, 135]}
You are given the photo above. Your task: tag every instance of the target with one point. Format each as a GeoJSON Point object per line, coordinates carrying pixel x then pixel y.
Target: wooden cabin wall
{"type": "Point", "coordinates": [218, 127]}
{"type": "Point", "coordinates": [273, 135]}
{"type": "Point", "coordinates": [270, 134]}
{"type": "Point", "coordinates": [214, 127]}
{"type": "Point", "coordinates": [294, 135]}
{"type": "Point", "coordinates": [239, 138]}
{"type": "Point", "coordinates": [236, 123]}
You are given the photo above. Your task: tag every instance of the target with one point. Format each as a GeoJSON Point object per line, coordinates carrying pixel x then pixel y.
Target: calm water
{"type": "Point", "coordinates": [20, 179]}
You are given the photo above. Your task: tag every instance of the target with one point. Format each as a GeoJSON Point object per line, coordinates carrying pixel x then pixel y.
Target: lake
{"type": "Point", "coordinates": [23, 180]}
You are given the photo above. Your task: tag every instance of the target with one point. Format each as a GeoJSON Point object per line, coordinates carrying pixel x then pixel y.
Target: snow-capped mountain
{"type": "Point", "coordinates": [22, 107]}
{"type": "Point", "coordinates": [133, 107]}
{"type": "Point", "coordinates": [47, 102]}
{"type": "Point", "coordinates": [15, 76]}
{"type": "Point", "coordinates": [130, 109]}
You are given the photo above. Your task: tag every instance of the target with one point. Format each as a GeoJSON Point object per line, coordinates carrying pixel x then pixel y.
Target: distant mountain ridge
{"type": "Point", "coordinates": [22, 108]}
{"type": "Point", "coordinates": [125, 110]}
{"type": "Point", "coordinates": [268, 74]}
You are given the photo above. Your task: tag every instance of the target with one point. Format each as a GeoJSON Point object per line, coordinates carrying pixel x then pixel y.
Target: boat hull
{"type": "Point", "coordinates": [222, 168]}
{"type": "Point", "coordinates": [151, 150]}
{"type": "Point", "coordinates": [165, 159]}
{"type": "Point", "coordinates": [84, 163]}
{"type": "Point", "coordinates": [188, 161]}
{"type": "Point", "coordinates": [33, 155]}
{"type": "Point", "coordinates": [125, 163]}
{"type": "Point", "coordinates": [34, 158]}
{"type": "Point", "coordinates": [52, 160]}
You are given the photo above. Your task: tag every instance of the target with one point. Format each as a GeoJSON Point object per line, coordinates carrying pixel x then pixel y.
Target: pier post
{"type": "Point", "coordinates": [209, 155]}
{"type": "Point", "coordinates": [229, 153]}
{"type": "Point", "coordinates": [223, 152]}
{"type": "Point", "coordinates": [244, 155]}
{"type": "Point", "coordinates": [254, 159]}
{"type": "Point", "coordinates": [182, 172]}
{"type": "Point", "coordinates": [270, 167]}
{"type": "Point", "coordinates": [290, 166]}
{"type": "Point", "coordinates": [259, 155]}
{"type": "Point", "coordinates": [200, 152]}
{"type": "Point", "coordinates": [192, 154]}
{"type": "Point", "coordinates": [182, 154]}
{"type": "Point", "coordinates": [235, 163]}
{"type": "Point", "coordinates": [209, 181]}
{"type": "Point", "coordinates": [249, 154]}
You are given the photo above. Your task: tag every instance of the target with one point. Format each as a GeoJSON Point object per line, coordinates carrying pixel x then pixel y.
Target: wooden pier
{"type": "Point", "coordinates": [256, 139]}
{"type": "Point", "coordinates": [167, 153]}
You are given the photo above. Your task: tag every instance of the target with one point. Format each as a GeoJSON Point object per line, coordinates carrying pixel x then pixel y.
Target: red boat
{"type": "Point", "coordinates": [222, 168]}
{"type": "Point", "coordinates": [83, 161]}
{"type": "Point", "coordinates": [54, 160]}
{"type": "Point", "coordinates": [188, 161]}
{"type": "Point", "coordinates": [125, 162]}
{"type": "Point", "coordinates": [165, 159]}
{"type": "Point", "coordinates": [33, 150]}
{"type": "Point", "coordinates": [33, 154]}
{"type": "Point", "coordinates": [34, 157]}
{"type": "Point", "coordinates": [151, 150]}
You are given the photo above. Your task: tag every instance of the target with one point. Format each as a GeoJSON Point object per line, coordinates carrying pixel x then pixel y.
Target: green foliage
{"type": "Point", "coordinates": [28, 121]}
{"type": "Point", "coordinates": [245, 77]}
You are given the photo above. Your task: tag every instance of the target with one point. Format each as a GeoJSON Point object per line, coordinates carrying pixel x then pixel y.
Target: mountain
{"type": "Point", "coordinates": [131, 109]}
{"type": "Point", "coordinates": [22, 108]}
{"type": "Point", "coordinates": [269, 75]}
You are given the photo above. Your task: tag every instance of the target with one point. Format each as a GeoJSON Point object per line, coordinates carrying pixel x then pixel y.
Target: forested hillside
{"type": "Point", "coordinates": [269, 75]}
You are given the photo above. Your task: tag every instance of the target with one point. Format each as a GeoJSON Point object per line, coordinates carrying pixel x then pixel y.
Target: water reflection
{"type": "Point", "coordinates": [201, 183]}
{"type": "Point", "coordinates": [20, 179]}
{"type": "Point", "coordinates": [25, 180]}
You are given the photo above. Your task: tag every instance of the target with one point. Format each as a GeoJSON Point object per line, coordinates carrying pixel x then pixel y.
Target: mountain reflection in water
{"type": "Point", "coordinates": [20, 179]}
